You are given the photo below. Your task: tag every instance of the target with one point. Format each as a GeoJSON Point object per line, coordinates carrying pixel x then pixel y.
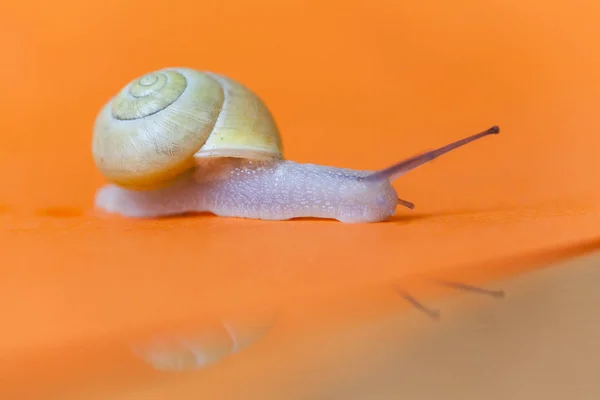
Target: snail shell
{"type": "Point", "coordinates": [156, 127]}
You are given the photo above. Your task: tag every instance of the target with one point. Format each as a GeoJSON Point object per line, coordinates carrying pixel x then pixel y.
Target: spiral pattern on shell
{"type": "Point", "coordinates": [148, 95]}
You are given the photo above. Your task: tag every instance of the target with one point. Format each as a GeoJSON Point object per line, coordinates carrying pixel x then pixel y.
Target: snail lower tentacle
{"type": "Point", "coordinates": [267, 190]}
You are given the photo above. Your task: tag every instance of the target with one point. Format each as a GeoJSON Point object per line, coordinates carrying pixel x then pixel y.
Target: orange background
{"type": "Point", "coordinates": [357, 84]}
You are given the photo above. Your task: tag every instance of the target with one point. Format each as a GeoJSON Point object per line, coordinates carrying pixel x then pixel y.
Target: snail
{"type": "Point", "coordinates": [178, 140]}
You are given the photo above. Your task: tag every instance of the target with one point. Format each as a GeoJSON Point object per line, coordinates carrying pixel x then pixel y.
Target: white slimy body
{"type": "Point", "coordinates": [275, 190]}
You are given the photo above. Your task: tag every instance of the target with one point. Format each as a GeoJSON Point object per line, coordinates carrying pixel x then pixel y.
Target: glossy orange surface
{"type": "Point", "coordinates": [352, 84]}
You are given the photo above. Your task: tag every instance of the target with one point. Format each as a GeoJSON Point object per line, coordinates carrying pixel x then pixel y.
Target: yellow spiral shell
{"type": "Point", "coordinates": [158, 124]}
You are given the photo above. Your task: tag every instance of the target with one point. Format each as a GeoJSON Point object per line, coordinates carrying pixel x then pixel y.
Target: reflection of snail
{"type": "Point", "coordinates": [202, 346]}
{"type": "Point", "coordinates": [179, 140]}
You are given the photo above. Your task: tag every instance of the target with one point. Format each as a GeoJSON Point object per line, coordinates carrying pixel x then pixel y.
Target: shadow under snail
{"type": "Point", "coordinates": [177, 140]}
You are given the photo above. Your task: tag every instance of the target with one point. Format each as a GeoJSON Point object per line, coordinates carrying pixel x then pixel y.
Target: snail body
{"type": "Point", "coordinates": [178, 140]}
{"type": "Point", "coordinates": [275, 190]}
